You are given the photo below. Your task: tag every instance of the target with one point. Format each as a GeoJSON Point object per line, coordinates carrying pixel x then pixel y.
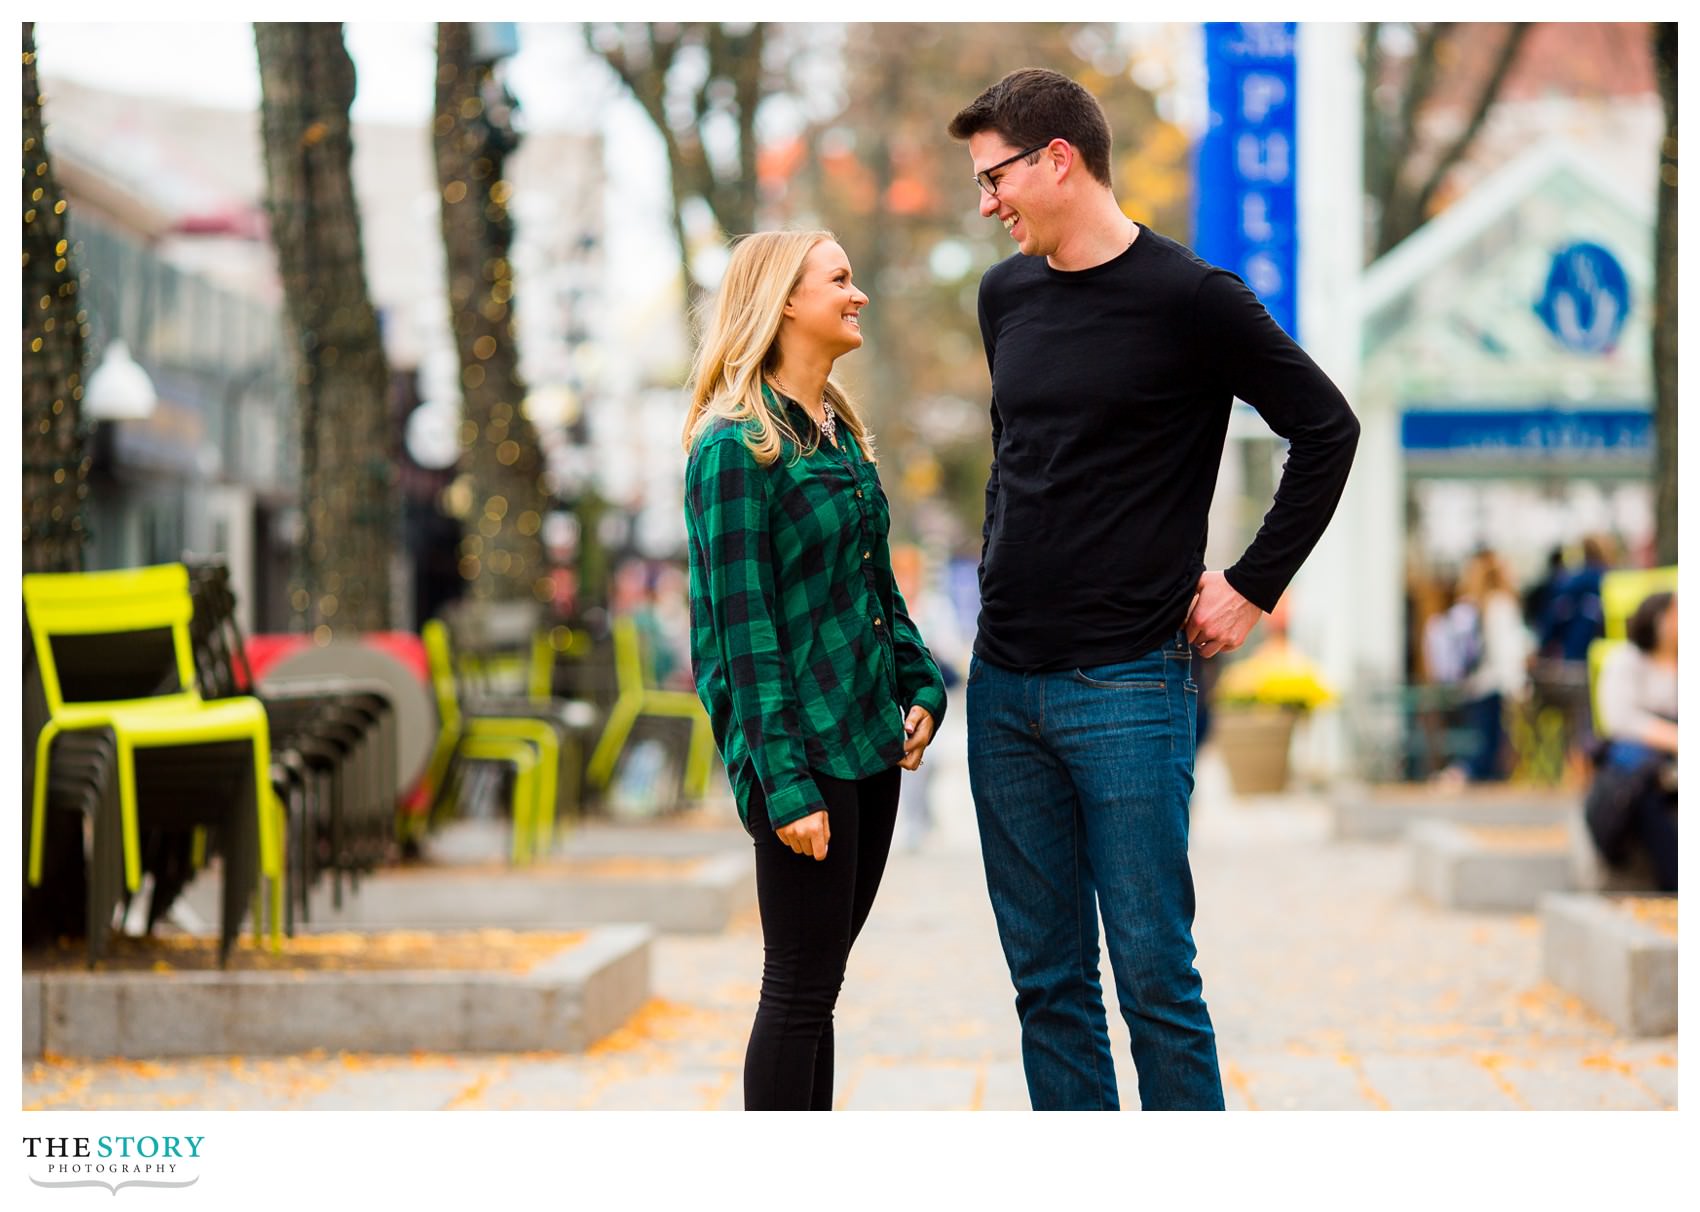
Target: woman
{"type": "Point", "coordinates": [1637, 708]}
{"type": "Point", "coordinates": [817, 683]}
{"type": "Point", "coordinates": [1496, 649]}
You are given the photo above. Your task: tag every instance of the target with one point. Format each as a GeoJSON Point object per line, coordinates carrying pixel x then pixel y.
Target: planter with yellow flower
{"type": "Point", "coordinates": [1258, 702]}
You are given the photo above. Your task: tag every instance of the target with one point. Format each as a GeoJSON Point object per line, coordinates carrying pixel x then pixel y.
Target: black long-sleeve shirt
{"type": "Point", "coordinates": [1111, 391]}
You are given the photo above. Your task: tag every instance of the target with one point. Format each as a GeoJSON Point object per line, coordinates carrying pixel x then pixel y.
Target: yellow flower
{"type": "Point", "coordinates": [1276, 676]}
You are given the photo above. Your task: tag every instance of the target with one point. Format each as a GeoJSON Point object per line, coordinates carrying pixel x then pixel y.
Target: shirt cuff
{"type": "Point", "coordinates": [931, 698]}
{"type": "Point", "coordinates": [793, 803]}
{"type": "Point", "coordinates": [1255, 594]}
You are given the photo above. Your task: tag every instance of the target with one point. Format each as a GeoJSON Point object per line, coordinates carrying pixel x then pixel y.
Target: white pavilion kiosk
{"type": "Point", "coordinates": [1505, 394]}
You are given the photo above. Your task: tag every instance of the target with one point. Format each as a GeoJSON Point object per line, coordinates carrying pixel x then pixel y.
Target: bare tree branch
{"type": "Point", "coordinates": [1484, 102]}
{"type": "Point", "coordinates": [733, 59]}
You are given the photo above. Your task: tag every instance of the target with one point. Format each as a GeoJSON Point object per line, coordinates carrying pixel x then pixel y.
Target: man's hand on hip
{"type": "Point", "coordinates": [1219, 619]}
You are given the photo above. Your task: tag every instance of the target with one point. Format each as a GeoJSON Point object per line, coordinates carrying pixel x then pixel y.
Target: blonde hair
{"type": "Point", "coordinates": [1484, 576]}
{"type": "Point", "coordinates": [740, 349]}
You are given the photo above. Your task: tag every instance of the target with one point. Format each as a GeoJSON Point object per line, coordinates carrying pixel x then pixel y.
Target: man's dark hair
{"type": "Point", "coordinates": [1643, 626]}
{"type": "Point", "coordinates": [1036, 105]}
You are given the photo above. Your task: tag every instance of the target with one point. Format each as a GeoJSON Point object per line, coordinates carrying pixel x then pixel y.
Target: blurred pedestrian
{"type": "Point", "coordinates": [1115, 357]}
{"type": "Point", "coordinates": [817, 684]}
{"type": "Point", "coordinates": [1574, 619]}
{"type": "Point", "coordinates": [1575, 616]}
{"type": "Point", "coordinates": [1451, 636]}
{"type": "Point", "coordinates": [1537, 598]}
{"type": "Point", "coordinates": [1451, 652]}
{"type": "Point", "coordinates": [1634, 792]}
{"type": "Point", "coordinates": [1496, 661]}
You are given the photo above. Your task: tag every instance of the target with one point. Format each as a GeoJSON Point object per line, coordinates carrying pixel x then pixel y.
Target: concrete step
{"type": "Point", "coordinates": [564, 1003]}
{"type": "Point", "coordinates": [1616, 953]}
{"type": "Point", "coordinates": [1383, 813]}
{"type": "Point", "coordinates": [1492, 868]}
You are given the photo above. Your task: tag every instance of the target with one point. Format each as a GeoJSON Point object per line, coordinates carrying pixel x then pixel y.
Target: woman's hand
{"type": "Point", "coordinates": [808, 835]}
{"type": "Point", "coordinates": [918, 726]}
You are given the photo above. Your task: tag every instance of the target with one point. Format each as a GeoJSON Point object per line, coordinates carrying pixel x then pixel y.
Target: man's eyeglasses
{"type": "Point", "coordinates": [983, 178]}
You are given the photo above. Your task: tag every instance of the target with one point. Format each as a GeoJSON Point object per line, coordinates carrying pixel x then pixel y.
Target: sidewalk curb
{"type": "Point", "coordinates": [1623, 968]}
{"type": "Point", "coordinates": [1363, 813]}
{"type": "Point", "coordinates": [564, 1004]}
{"type": "Point", "coordinates": [1453, 869]}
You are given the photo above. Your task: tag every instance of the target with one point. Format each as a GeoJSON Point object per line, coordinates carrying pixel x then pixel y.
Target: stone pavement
{"type": "Point", "coordinates": [1331, 985]}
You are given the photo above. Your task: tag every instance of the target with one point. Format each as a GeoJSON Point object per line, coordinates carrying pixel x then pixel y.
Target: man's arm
{"type": "Point", "coordinates": [1267, 369]}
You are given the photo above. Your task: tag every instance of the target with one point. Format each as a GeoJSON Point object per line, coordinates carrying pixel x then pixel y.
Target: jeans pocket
{"type": "Point", "coordinates": [1122, 675]}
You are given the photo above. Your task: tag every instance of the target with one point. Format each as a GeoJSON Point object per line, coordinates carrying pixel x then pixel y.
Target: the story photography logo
{"type": "Point", "coordinates": [113, 1161]}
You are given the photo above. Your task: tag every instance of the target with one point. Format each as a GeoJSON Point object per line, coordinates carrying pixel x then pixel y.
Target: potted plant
{"type": "Point", "coordinates": [1259, 700]}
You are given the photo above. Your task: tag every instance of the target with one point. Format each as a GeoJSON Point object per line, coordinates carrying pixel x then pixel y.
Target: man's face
{"type": "Point", "coordinates": [1020, 201]}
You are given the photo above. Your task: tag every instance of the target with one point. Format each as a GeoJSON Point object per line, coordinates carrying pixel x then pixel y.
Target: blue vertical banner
{"type": "Point", "coordinates": [1247, 188]}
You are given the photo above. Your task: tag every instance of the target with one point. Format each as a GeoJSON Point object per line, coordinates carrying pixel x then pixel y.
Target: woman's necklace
{"type": "Point", "coordinates": [829, 419]}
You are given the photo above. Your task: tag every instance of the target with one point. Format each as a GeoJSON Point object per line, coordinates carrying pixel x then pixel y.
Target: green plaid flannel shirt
{"type": "Point", "coordinates": [803, 649]}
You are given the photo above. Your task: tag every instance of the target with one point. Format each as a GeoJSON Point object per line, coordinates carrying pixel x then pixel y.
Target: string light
{"type": "Point", "coordinates": [55, 460]}
{"type": "Point", "coordinates": [501, 459]}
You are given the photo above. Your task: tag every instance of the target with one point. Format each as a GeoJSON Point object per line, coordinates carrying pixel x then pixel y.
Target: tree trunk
{"type": "Point", "coordinates": [1664, 306]}
{"type": "Point", "coordinates": [55, 463]}
{"type": "Point", "coordinates": [502, 551]}
{"type": "Point", "coordinates": [348, 481]}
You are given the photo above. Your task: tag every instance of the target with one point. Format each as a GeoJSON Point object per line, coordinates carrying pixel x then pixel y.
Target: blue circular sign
{"type": "Point", "coordinates": [1586, 300]}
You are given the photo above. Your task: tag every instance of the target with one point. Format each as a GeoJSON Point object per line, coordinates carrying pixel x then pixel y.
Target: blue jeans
{"type": "Point", "coordinates": [1486, 718]}
{"type": "Point", "coordinates": [1081, 779]}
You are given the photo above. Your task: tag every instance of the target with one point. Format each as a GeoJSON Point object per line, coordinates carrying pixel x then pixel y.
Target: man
{"type": "Point", "coordinates": [1575, 616]}
{"type": "Point", "coordinates": [1115, 357]}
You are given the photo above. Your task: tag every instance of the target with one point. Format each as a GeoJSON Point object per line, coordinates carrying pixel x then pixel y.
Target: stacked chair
{"type": "Point", "coordinates": [114, 658]}
{"type": "Point", "coordinates": [636, 699]}
{"type": "Point", "coordinates": [82, 885]}
{"type": "Point", "coordinates": [504, 664]}
{"type": "Point", "coordinates": [333, 744]}
{"type": "Point", "coordinates": [538, 742]}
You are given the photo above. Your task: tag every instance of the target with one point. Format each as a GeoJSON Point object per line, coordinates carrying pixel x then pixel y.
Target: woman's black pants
{"type": "Point", "coordinates": [811, 912]}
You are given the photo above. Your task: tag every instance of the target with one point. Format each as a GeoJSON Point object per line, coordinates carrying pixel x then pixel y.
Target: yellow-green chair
{"type": "Point", "coordinates": [147, 605]}
{"type": "Point", "coordinates": [571, 642]}
{"type": "Point", "coordinates": [1598, 651]}
{"type": "Point", "coordinates": [572, 719]}
{"type": "Point", "coordinates": [531, 746]}
{"type": "Point", "coordinates": [635, 698]}
{"type": "Point", "coordinates": [1622, 591]}
{"type": "Point", "coordinates": [526, 807]}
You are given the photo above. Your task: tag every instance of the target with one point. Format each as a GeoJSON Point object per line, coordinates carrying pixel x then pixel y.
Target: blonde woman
{"type": "Point", "coordinates": [1497, 659]}
{"type": "Point", "coordinates": [817, 682]}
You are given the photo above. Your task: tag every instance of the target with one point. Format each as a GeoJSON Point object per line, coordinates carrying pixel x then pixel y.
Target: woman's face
{"type": "Point", "coordinates": [823, 311]}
